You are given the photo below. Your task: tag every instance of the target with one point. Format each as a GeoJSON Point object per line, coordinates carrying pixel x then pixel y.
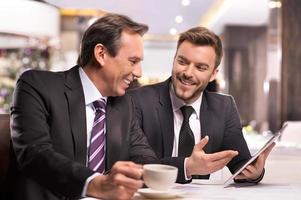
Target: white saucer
{"type": "Point", "coordinates": [157, 194]}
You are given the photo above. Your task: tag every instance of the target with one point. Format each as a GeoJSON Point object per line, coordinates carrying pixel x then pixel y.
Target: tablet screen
{"type": "Point", "coordinates": [266, 145]}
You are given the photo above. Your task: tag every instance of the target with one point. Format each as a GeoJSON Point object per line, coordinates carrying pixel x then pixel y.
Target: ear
{"type": "Point", "coordinates": [213, 75]}
{"type": "Point", "coordinates": [99, 53]}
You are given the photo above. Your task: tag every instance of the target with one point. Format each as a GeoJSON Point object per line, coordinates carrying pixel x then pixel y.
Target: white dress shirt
{"type": "Point", "coordinates": [91, 94]}
{"type": "Point", "coordinates": [194, 121]}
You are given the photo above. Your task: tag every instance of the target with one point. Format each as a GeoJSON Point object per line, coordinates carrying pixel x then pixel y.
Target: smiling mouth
{"type": "Point", "coordinates": [185, 81]}
{"type": "Point", "coordinates": [127, 81]}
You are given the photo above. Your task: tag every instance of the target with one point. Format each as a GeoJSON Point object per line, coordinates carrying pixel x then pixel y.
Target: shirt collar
{"type": "Point", "coordinates": [177, 103]}
{"type": "Point", "coordinates": [91, 93]}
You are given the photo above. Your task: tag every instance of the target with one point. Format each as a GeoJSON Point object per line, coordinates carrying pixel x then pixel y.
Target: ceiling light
{"type": "Point", "coordinates": [185, 2]}
{"type": "Point", "coordinates": [179, 19]}
{"type": "Point", "coordinates": [173, 31]}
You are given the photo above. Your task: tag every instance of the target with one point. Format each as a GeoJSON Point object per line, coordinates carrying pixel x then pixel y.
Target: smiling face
{"type": "Point", "coordinates": [116, 73]}
{"type": "Point", "coordinates": [193, 69]}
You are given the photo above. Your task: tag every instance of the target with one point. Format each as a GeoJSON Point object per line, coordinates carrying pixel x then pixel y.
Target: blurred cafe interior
{"type": "Point", "coordinates": [261, 40]}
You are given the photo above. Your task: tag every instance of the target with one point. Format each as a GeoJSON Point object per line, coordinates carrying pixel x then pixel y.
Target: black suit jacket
{"type": "Point", "coordinates": [218, 117]}
{"type": "Point", "coordinates": [48, 127]}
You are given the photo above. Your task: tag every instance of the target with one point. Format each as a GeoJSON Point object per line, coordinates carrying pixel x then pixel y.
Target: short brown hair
{"type": "Point", "coordinates": [106, 30]}
{"type": "Point", "coordinates": [202, 36]}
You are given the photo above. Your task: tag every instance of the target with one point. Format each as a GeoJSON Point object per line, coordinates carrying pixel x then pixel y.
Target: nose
{"type": "Point", "coordinates": [137, 73]}
{"type": "Point", "coordinates": [189, 70]}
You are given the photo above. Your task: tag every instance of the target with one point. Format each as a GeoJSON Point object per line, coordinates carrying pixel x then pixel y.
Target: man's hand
{"type": "Point", "coordinates": [200, 163]}
{"type": "Point", "coordinates": [122, 182]}
{"type": "Point", "coordinates": [254, 170]}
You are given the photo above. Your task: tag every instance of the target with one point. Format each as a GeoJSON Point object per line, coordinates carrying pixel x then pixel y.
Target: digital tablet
{"type": "Point", "coordinates": [266, 145]}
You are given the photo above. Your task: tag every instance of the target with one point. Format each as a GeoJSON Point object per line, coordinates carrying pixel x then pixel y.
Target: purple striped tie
{"type": "Point", "coordinates": [97, 142]}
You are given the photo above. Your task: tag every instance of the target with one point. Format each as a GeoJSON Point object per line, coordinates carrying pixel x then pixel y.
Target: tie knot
{"type": "Point", "coordinates": [186, 111]}
{"type": "Point", "coordinates": [100, 105]}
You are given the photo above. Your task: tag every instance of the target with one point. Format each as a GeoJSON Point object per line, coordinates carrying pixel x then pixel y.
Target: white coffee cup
{"type": "Point", "coordinates": [159, 176]}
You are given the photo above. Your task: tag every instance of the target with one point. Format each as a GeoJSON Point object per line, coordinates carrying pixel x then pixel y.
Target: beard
{"type": "Point", "coordinates": [189, 93]}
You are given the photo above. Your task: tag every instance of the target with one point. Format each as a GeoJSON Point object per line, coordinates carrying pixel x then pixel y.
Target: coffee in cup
{"type": "Point", "coordinates": [159, 176]}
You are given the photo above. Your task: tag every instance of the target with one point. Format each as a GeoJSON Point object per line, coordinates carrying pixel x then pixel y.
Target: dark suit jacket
{"type": "Point", "coordinates": [218, 117]}
{"type": "Point", "coordinates": [48, 127]}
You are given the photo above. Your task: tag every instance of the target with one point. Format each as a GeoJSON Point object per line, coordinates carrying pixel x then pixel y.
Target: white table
{"type": "Point", "coordinates": [282, 181]}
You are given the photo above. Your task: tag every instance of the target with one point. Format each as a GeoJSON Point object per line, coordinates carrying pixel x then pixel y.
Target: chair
{"type": "Point", "coordinates": [4, 146]}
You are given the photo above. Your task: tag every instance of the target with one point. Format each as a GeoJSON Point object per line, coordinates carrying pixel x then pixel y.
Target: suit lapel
{"type": "Point", "coordinates": [165, 114]}
{"type": "Point", "coordinates": [205, 121]}
{"type": "Point", "coordinates": [114, 132]}
{"type": "Point", "coordinates": [77, 113]}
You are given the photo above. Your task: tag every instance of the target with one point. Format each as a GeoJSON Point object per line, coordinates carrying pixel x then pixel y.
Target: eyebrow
{"type": "Point", "coordinates": [182, 57]}
{"type": "Point", "coordinates": [196, 64]}
{"type": "Point", "coordinates": [135, 58]}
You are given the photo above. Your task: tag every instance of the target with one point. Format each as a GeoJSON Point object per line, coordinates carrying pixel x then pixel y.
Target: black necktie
{"type": "Point", "coordinates": [186, 138]}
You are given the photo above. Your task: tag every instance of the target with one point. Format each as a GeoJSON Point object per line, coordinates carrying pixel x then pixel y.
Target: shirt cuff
{"type": "Point", "coordinates": [185, 175]}
{"type": "Point", "coordinates": [84, 192]}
